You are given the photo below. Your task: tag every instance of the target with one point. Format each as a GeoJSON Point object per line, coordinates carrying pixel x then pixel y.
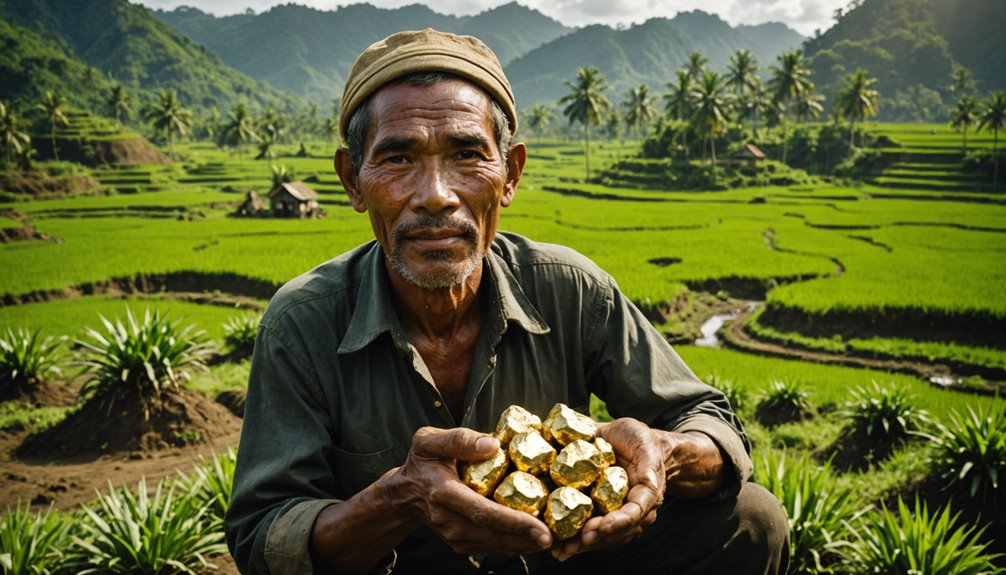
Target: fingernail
{"type": "Point", "coordinates": [542, 538]}
{"type": "Point", "coordinates": [486, 445]}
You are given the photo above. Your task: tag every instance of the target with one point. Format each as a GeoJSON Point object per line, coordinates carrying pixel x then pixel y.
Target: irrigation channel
{"type": "Point", "coordinates": [727, 329]}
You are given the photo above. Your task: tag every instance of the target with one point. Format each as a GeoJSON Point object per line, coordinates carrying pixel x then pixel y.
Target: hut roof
{"type": "Point", "coordinates": [298, 190]}
{"type": "Point", "coordinates": [749, 151]}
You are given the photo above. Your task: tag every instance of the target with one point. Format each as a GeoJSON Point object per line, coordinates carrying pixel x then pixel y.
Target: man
{"type": "Point", "coordinates": [376, 373]}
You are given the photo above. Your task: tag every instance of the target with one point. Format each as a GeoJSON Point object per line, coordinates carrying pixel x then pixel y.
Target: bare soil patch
{"type": "Point", "coordinates": [41, 185]}
{"type": "Point", "coordinates": [40, 394]}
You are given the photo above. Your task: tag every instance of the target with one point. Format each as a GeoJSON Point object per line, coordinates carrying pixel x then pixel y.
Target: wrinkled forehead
{"type": "Point", "coordinates": [446, 107]}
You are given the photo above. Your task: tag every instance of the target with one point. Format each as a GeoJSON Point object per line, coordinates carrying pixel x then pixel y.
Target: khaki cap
{"type": "Point", "coordinates": [426, 51]}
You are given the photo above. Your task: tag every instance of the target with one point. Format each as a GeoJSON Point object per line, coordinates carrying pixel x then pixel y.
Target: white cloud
{"type": "Point", "coordinates": [802, 15]}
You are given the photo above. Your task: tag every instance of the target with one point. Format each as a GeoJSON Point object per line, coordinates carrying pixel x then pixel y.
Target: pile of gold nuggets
{"type": "Point", "coordinates": [555, 464]}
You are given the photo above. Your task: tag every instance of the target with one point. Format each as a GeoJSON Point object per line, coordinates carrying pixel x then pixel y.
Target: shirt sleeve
{"type": "Point", "coordinates": [283, 478]}
{"type": "Point", "coordinates": [633, 368]}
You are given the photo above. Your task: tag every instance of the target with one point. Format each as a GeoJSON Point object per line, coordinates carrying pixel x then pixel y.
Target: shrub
{"type": "Point", "coordinates": [784, 401]}
{"type": "Point", "coordinates": [882, 416]}
{"type": "Point", "coordinates": [31, 543]}
{"type": "Point", "coordinates": [136, 534]}
{"type": "Point", "coordinates": [142, 361]}
{"type": "Point", "coordinates": [240, 332]}
{"type": "Point", "coordinates": [911, 542]}
{"type": "Point", "coordinates": [210, 482]}
{"type": "Point", "coordinates": [969, 457]}
{"type": "Point", "coordinates": [816, 505]}
{"type": "Point", "coordinates": [25, 359]}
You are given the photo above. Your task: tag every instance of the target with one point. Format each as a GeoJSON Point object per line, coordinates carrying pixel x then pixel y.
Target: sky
{"type": "Point", "coordinates": [804, 16]}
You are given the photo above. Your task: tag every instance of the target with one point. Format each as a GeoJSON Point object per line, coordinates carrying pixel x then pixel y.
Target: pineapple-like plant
{"type": "Point", "coordinates": [26, 359]}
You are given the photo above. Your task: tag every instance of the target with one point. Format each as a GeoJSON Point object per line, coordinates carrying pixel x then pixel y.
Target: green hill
{"type": "Point", "coordinates": [126, 44]}
{"type": "Point", "coordinates": [310, 51]}
{"type": "Point", "coordinates": [648, 53]}
{"type": "Point", "coordinates": [911, 47]}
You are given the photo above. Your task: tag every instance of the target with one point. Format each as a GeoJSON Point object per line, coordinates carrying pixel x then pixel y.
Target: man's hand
{"type": "Point", "coordinates": [638, 450]}
{"type": "Point", "coordinates": [685, 465]}
{"type": "Point", "coordinates": [435, 496]}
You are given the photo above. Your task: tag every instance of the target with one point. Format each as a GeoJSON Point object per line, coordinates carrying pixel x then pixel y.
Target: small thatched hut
{"type": "Point", "coordinates": [252, 206]}
{"type": "Point", "coordinates": [749, 153]}
{"type": "Point", "coordinates": [294, 200]}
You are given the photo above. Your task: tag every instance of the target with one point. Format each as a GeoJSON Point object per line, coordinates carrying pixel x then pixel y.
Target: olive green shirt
{"type": "Point", "coordinates": [336, 390]}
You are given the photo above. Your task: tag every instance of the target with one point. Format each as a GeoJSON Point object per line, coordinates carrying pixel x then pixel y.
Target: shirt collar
{"type": "Point", "coordinates": [374, 313]}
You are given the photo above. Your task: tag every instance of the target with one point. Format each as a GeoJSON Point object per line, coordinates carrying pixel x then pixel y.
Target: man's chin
{"type": "Point", "coordinates": [434, 273]}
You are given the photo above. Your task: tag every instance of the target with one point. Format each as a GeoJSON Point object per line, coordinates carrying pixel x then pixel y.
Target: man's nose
{"type": "Point", "coordinates": [433, 192]}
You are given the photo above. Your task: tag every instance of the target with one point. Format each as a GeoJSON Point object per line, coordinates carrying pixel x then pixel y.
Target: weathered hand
{"type": "Point", "coordinates": [468, 522]}
{"type": "Point", "coordinates": [637, 449]}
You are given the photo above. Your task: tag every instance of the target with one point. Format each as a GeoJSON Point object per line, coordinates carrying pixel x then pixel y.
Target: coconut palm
{"type": "Point", "coordinates": [538, 119]}
{"type": "Point", "coordinates": [168, 117]}
{"type": "Point", "coordinates": [118, 102]}
{"type": "Point", "coordinates": [331, 128]}
{"type": "Point", "coordinates": [680, 102]}
{"type": "Point", "coordinates": [239, 129]}
{"type": "Point", "coordinates": [964, 115]}
{"type": "Point", "coordinates": [808, 106]}
{"type": "Point", "coordinates": [857, 100]}
{"type": "Point", "coordinates": [696, 65]}
{"type": "Point", "coordinates": [639, 108]}
{"type": "Point", "coordinates": [54, 108]}
{"type": "Point", "coordinates": [271, 125]}
{"type": "Point", "coordinates": [962, 81]}
{"type": "Point", "coordinates": [11, 137]}
{"type": "Point", "coordinates": [788, 82]}
{"type": "Point", "coordinates": [743, 80]}
{"type": "Point", "coordinates": [586, 104]}
{"type": "Point", "coordinates": [994, 118]}
{"type": "Point", "coordinates": [711, 109]}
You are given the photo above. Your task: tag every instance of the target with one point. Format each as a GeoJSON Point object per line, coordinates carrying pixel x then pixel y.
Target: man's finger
{"type": "Point", "coordinates": [466, 537]}
{"type": "Point", "coordinates": [459, 443]}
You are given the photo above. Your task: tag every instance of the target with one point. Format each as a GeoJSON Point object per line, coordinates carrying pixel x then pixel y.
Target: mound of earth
{"type": "Point", "coordinates": [42, 185]}
{"type": "Point", "coordinates": [773, 415]}
{"type": "Point", "coordinates": [852, 452]}
{"type": "Point", "coordinates": [185, 418]}
{"type": "Point", "coordinates": [116, 151]}
{"type": "Point", "coordinates": [22, 233]}
{"type": "Point", "coordinates": [40, 394]}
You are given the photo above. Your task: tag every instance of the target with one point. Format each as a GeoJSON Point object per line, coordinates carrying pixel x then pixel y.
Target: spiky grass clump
{"type": "Point", "coordinates": [784, 401]}
{"type": "Point", "coordinates": [26, 359]}
{"type": "Point", "coordinates": [816, 505]}
{"type": "Point", "coordinates": [911, 541]}
{"type": "Point", "coordinates": [138, 534]}
{"type": "Point", "coordinates": [883, 414]}
{"type": "Point", "coordinates": [140, 361]}
{"type": "Point", "coordinates": [240, 332]}
{"type": "Point", "coordinates": [969, 457]}
{"type": "Point", "coordinates": [736, 393]}
{"type": "Point", "coordinates": [31, 543]}
{"type": "Point", "coordinates": [211, 480]}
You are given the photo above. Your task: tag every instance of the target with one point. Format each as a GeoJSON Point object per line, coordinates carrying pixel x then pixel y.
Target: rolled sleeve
{"type": "Point", "coordinates": [287, 544]}
{"type": "Point", "coordinates": [731, 446]}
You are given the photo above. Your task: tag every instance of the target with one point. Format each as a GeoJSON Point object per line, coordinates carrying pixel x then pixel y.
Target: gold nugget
{"type": "Point", "coordinates": [610, 490]}
{"type": "Point", "coordinates": [515, 419]}
{"type": "Point", "coordinates": [531, 453]}
{"type": "Point", "coordinates": [577, 465]}
{"type": "Point", "coordinates": [607, 456]}
{"type": "Point", "coordinates": [565, 425]}
{"type": "Point", "coordinates": [523, 492]}
{"type": "Point", "coordinates": [483, 476]}
{"type": "Point", "coordinates": [566, 512]}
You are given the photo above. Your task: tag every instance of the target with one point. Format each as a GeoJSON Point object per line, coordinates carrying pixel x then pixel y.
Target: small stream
{"type": "Point", "coordinates": [713, 325]}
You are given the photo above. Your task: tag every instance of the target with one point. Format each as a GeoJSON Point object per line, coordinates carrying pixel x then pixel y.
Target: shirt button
{"type": "Point", "coordinates": [438, 403]}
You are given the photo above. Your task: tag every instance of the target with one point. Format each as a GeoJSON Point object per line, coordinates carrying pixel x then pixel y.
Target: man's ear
{"type": "Point", "coordinates": [347, 173]}
{"type": "Point", "coordinates": [514, 169]}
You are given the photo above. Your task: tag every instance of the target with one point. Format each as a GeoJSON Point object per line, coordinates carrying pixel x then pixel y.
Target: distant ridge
{"type": "Point", "coordinates": [310, 51]}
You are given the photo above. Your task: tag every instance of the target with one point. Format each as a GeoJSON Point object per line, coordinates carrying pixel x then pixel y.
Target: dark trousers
{"type": "Point", "coordinates": [743, 535]}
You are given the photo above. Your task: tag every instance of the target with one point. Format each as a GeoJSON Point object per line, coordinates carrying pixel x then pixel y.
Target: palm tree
{"type": "Point", "coordinates": [239, 129]}
{"type": "Point", "coordinates": [962, 81]}
{"type": "Point", "coordinates": [808, 106]}
{"type": "Point", "coordinates": [11, 137]}
{"type": "Point", "coordinates": [331, 128]}
{"type": "Point", "coordinates": [711, 105]}
{"type": "Point", "coordinates": [680, 103]}
{"type": "Point", "coordinates": [118, 103]}
{"type": "Point", "coordinates": [639, 108]}
{"type": "Point", "coordinates": [994, 118]}
{"type": "Point", "coordinates": [271, 124]}
{"type": "Point", "coordinates": [538, 119]}
{"type": "Point", "coordinates": [857, 100]}
{"type": "Point", "coordinates": [613, 129]}
{"type": "Point", "coordinates": [789, 81]}
{"type": "Point", "coordinates": [586, 104]}
{"type": "Point", "coordinates": [54, 108]}
{"type": "Point", "coordinates": [743, 80]}
{"type": "Point", "coordinates": [696, 65]}
{"type": "Point", "coordinates": [964, 115]}
{"type": "Point", "coordinates": [168, 117]}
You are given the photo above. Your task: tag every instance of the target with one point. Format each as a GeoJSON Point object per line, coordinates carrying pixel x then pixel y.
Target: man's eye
{"type": "Point", "coordinates": [468, 155]}
{"type": "Point", "coordinates": [396, 159]}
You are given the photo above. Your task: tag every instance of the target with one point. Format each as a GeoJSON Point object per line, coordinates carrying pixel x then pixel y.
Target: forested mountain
{"type": "Point", "coordinates": [645, 54]}
{"type": "Point", "coordinates": [80, 48]}
{"type": "Point", "coordinates": [912, 47]}
{"type": "Point", "coordinates": [310, 51]}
